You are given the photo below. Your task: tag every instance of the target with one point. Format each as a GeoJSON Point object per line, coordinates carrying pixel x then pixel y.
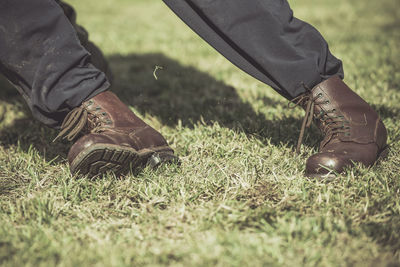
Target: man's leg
{"type": "Point", "coordinates": [97, 58]}
{"type": "Point", "coordinates": [264, 39]}
{"type": "Point", "coordinates": [42, 56]}
{"type": "Point", "coordinates": [40, 53]}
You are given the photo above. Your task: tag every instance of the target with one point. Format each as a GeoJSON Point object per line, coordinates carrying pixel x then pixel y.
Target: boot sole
{"type": "Point", "coordinates": [101, 158]}
{"type": "Point", "coordinates": [328, 177]}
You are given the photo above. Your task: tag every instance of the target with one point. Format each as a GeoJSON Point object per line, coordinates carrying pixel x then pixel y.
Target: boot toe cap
{"type": "Point", "coordinates": [325, 164]}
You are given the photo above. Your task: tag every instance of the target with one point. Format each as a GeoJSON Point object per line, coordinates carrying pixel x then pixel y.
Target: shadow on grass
{"type": "Point", "coordinates": [184, 95]}
{"type": "Point", "coordinates": [179, 95]}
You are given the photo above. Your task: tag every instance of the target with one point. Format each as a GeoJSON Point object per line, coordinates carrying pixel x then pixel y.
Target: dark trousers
{"type": "Point", "coordinates": [48, 57]}
{"type": "Point", "coordinates": [264, 39]}
{"type": "Point", "coordinates": [42, 56]}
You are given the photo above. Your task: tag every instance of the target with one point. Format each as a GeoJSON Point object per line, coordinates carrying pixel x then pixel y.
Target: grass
{"type": "Point", "coordinates": [239, 197]}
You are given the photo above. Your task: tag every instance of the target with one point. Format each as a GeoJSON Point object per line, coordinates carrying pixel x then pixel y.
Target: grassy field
{"type": "Point", "coordinates": [239, 197]}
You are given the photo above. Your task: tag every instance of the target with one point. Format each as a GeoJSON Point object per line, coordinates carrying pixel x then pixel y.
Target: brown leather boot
{"type": "Point", "coordinates": [114, 138]}
{"type": "Point", "coordinates": [353, 131]}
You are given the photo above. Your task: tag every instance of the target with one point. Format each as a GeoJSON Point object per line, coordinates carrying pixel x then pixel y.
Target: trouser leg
{"type": "Point", "coordinates": [264, 39]}
{"type": "Point", "coordinates": [97, 58]}
{"type": "Point", "coordinates": [42, 56]}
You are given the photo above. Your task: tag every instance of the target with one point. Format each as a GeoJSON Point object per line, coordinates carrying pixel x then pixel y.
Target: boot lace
{"type": "Point", "coordinates": [330, 122]}
{"type": "Point", "coordinates": [83, 119]}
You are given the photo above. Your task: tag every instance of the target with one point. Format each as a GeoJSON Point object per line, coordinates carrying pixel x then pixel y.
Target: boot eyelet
{"type": "Point", "coordinates": [98, 108]}
{"type": "Point", "coordinates": [333, 110]}
{"type": "Point", "coordinates": [347, 134]}
{"type": "Point", "coordinates": [319, 95]}
{"type": "Point", "coordinates": [104, 113]}
{"type": "Point", "coordinates": [327, 102]}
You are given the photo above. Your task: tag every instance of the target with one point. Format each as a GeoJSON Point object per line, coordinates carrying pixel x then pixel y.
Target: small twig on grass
{"type": "Point", "coordinates": [155, 71]}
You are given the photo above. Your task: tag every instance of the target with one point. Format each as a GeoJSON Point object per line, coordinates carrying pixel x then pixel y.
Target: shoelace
{"type": "Point", "coordinates": [332, 124]}
{"type": "Point", "coordinates": [76, 120]}
{"type": "Point", "coordinates": [73, 124]}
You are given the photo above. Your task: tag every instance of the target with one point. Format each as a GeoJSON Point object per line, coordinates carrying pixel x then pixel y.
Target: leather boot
{"type": "Point", "coordinates": [112, 138]}
{"type": "Point", "coordinates": [353, 131]}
